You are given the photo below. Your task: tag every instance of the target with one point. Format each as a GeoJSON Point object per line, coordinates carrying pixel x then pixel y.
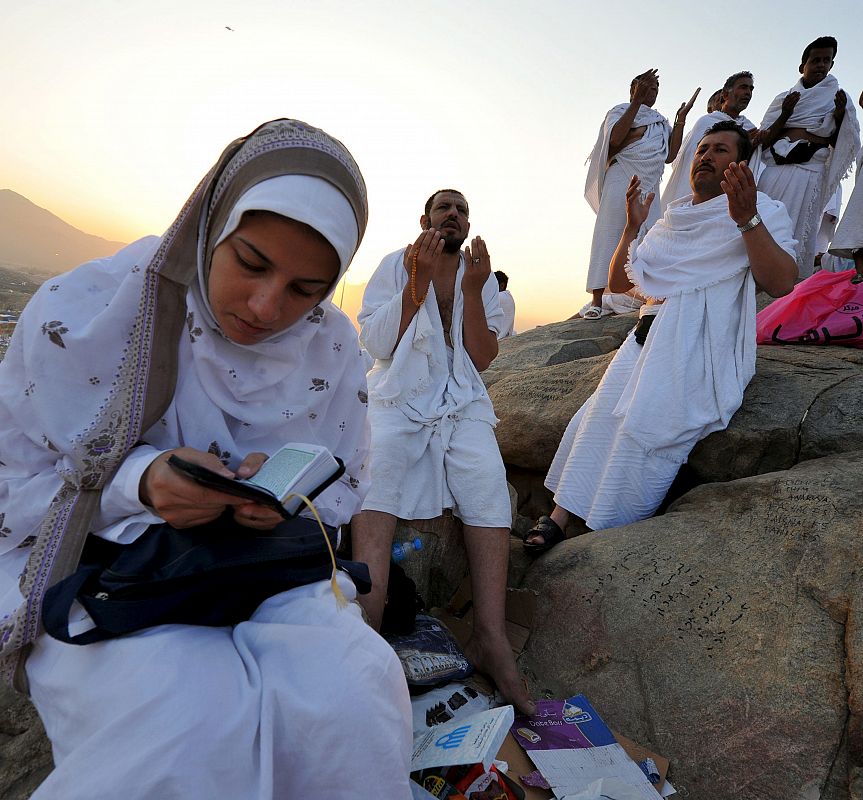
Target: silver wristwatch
{"type": "Point", "coordinates": [753, 223]}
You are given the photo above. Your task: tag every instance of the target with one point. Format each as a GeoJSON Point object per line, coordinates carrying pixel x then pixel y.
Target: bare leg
{"type": "Point", "coordinates": [560, 516]}
{"type": "Point", "coordinates": [489, 649]}
{"type": "Point", "coordinates": [372, 535]}
{"type": "Point", "coordinates": [597, 296]}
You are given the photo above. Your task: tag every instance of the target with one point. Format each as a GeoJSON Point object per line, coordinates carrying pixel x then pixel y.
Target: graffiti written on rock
{"type": "Point", "coordinates": [699, 609]}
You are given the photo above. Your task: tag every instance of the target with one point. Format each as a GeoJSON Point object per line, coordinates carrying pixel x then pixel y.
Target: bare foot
{"type": "Point", "coordinates": [492, 655]}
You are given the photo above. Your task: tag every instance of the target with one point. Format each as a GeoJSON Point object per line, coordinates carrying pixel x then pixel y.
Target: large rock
{"type": "Point", "coordinates": [804, 402]}
{"type": "Point", "coordinates": [726, 634]}
{"type": "Point", "coordinates": [25, 753]}
{"type": "Point", "coordinates": [558, 343]}
{"type": "Point", "coordinates": [441, 565]}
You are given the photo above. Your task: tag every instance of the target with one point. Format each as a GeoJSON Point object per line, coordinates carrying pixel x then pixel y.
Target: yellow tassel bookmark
{"type": "Point", "coordinates": [341, 600]}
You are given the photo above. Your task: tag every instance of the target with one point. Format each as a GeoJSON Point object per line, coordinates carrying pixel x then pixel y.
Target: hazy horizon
{"type": "Point", "coordinates": [112, 118]}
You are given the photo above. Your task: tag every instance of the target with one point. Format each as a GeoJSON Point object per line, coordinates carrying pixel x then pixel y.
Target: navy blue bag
{"type": "Point", "coordinates": [215, 574]}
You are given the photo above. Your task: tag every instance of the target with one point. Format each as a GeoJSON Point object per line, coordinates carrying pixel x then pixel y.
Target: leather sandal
{"type": "Point", "coordinates": [550, 532]}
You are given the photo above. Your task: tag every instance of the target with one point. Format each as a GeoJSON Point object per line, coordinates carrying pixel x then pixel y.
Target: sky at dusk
{"type": "Point", "coordinates": [113, 111]}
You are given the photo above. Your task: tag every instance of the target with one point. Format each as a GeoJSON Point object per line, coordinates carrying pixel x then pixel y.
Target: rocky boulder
{"type": "Point", "coordinates": [558, 343]}
{"type": "Point", "coordinates": [726, 635]}
{"type": "Point", "coordinates": [25, 753]}
{"type": "Point", "coordinates": [804, 402]}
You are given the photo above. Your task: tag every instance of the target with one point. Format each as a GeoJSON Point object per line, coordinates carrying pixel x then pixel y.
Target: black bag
{"type": "Point", "coordinates": [215, 574]}
{"type": "Point", "coordinates": [801, 153]}
{"type": "Point", "coordinates": [402, 605]}
{"type": "Point", "coordinates": [643, 328]}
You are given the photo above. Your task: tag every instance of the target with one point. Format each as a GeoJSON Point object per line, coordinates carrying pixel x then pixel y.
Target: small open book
{"type": "Point", "coordinates": [296, 468]}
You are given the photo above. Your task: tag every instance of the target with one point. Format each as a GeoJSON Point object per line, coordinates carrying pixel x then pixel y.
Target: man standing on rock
{"type": "Point", "coordinates": [810, 136]}
{"type": "Point", "coordinates": [705, 258]}
{"type": "Point", "coordinates": [634, 139]}
{"type": "Point", "coordinates": [430, 318]}
{"type": "Point", "coordinates": [736, 94]}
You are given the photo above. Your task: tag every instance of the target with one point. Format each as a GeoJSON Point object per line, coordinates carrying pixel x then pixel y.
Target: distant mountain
{"type": "Point", "coordinates": [35, 240]}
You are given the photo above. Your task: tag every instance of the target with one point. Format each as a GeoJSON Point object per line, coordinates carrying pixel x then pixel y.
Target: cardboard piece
{"type": "Point", "coordinates": [520, 763]}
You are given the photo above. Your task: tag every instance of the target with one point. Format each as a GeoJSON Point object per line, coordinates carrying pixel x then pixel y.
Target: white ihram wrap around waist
{"type": "Point", "coordinates": [700, 353]}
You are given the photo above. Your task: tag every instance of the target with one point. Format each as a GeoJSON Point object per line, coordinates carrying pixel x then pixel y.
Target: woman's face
{"type": "Point", "coordinates": [266, 275]}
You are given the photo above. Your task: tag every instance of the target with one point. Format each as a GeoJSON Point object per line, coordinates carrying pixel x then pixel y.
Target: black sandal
{"type": "Point", "coordinates": [550, 532]}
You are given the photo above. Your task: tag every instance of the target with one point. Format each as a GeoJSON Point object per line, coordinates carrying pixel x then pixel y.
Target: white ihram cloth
{"type": "Point", "coordinates": [623, 447]}
{"type": "Point", "coordinates": [678, 184]}
{"type": "Point", "coordinates": [828, 221]}
{"type": "Point", "coordinates": [849, 234]}
{"type": "Point", "coordinates": [507, 305]}
{"type": "Point", "coordinates": [176, 710]}
{"type": "Point", "coordinates": [296, 702]}
{"type": "Point", "coordinates": [606, 185]}
{"type": "Point", "coordinates": [432, 421]}
{"type": "Point", "coordinates": [805, 189]}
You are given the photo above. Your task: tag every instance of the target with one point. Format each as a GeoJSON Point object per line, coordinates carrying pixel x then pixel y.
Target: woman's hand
{"type": "Point", "coordinates": [252, 515]}
{"type": "Point", "coordinates": [179, 500]}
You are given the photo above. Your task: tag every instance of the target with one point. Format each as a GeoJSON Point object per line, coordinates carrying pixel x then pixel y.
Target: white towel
{"type": "Point", "coordinates": [849, 234]}
{"type": "Point", "coordinates": [700, 353]}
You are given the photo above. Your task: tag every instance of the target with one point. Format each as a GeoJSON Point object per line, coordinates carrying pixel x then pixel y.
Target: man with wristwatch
{"type": "Point", "coordinates": [705, 258]}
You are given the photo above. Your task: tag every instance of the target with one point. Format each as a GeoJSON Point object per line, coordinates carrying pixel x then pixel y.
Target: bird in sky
{"type": "Point", "coordinates": [229, 29]}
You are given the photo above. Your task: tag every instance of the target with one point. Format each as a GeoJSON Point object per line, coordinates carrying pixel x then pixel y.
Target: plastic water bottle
{"type": "Point", "coordinates": [401, 550]}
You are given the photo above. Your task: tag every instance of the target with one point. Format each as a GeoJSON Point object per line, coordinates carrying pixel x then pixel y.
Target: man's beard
{"type": "Point", "coordinates": [452, 243]}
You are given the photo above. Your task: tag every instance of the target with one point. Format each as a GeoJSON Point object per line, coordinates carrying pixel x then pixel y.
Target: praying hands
{"type": "Point", "coordinates": [637, 208]}
{"type": "Point", "coordinates": [739, 187]}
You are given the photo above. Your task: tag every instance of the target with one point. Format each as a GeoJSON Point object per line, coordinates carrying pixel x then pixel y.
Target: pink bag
{"type": "Point", "coordinates": [824, 309]}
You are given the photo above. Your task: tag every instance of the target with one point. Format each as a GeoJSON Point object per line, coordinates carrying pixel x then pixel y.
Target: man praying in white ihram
{"type": "Point", "coordinates": [705, 258]}
{"type": "Point", "coordinates": [734, 99]}
{"type": "Point", "coordinates": [634, 139]}
{"type": "Point", "coordinates": [430, 318]}
{"type": "Point", "coordinates": [809, 138]}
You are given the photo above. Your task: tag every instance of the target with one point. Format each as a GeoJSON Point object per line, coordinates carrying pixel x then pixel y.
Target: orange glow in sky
{"type": "Point", "coordinates": [114, 111]}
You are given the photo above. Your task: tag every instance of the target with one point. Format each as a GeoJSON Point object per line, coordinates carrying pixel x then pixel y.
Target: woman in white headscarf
{"type": "Point", "coordinates": [218, 342]}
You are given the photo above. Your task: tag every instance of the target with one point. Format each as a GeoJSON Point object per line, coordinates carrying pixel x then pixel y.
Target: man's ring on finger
{"type": "Point", "coordinates": [476, 261]}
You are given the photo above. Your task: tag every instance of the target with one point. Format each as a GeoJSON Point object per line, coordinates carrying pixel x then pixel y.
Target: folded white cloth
{"type": "Point", "coordinates": [849, 234]}
{"type": "Point", "coordinates": [700, 353]}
